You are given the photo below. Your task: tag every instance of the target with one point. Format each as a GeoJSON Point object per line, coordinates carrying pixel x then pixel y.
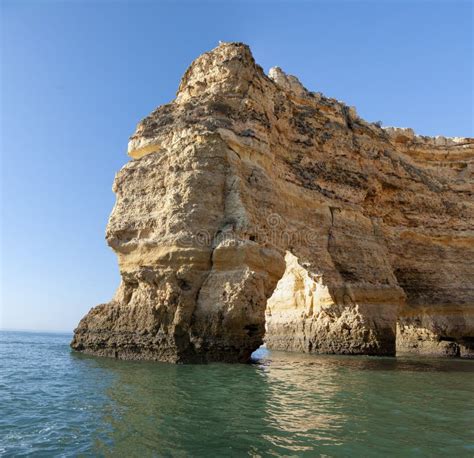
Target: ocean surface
{"type": "Point", "coordinates": [55, 402]}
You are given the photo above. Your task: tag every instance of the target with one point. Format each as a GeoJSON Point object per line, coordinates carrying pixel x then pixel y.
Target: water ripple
{"type": "Point", "coordinates": [55, 402]}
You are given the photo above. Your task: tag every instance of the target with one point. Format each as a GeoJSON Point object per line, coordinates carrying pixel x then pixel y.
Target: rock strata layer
{"type": "Point", "coordinates": [255, 209]}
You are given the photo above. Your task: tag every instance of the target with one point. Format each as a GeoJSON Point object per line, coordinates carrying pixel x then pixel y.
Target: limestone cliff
{"type": "Point", "coordinates": [253, 208]}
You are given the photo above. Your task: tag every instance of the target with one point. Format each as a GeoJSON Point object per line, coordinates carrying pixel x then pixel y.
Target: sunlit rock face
{"type": "Point", "coordinates": [303, 315]}
{"type": "Point", "coordinates": [251, 203]}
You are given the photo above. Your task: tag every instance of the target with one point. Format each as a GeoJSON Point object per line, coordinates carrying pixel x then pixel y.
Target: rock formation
{"type": "Point", "coordinates": [254, 209]}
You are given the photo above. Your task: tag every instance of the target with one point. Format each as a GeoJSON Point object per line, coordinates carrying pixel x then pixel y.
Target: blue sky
{"type": "Point", "coordinates": [77, 76]}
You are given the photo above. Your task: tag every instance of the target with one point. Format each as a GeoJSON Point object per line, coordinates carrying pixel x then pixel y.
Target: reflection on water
{"type": "Point", "coordinates": [284, 404]}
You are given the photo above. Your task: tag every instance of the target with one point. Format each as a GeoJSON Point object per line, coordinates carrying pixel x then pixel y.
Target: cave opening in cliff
{"type": "Point", "coordinates": [305, 314]}
{"type": "Point", "coordinates": [290, 310]}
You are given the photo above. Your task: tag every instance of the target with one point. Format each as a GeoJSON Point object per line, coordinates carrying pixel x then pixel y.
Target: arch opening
{"type": "Point", "coordinates": [306, 315]}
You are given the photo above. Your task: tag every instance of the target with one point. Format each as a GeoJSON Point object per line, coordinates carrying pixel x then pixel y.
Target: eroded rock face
{"type": "Point", "coordinates": [248, 190]}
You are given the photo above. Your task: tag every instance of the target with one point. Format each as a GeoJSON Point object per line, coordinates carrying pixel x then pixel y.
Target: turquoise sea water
{"type": "Point", "coordinates": [54, 402]}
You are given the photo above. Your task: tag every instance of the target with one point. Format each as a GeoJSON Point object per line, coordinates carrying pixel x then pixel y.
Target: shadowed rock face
{"type": "Point", "coordinates": [252, 203]}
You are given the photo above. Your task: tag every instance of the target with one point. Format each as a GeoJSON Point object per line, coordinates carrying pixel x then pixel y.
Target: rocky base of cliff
{"type": "Point", "coordinates": [417, 338]}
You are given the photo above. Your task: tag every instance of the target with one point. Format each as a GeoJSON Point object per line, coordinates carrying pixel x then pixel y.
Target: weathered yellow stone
{"type": "Point", "coordinates": [252, 203]}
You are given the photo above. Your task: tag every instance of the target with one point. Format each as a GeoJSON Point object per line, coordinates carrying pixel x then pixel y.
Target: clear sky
{"type": "Point", "coordinates": [76, 77]}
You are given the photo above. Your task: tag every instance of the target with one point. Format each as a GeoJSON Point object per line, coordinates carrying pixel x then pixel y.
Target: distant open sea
{"type": "Point", "coordinates": [54, 402]}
